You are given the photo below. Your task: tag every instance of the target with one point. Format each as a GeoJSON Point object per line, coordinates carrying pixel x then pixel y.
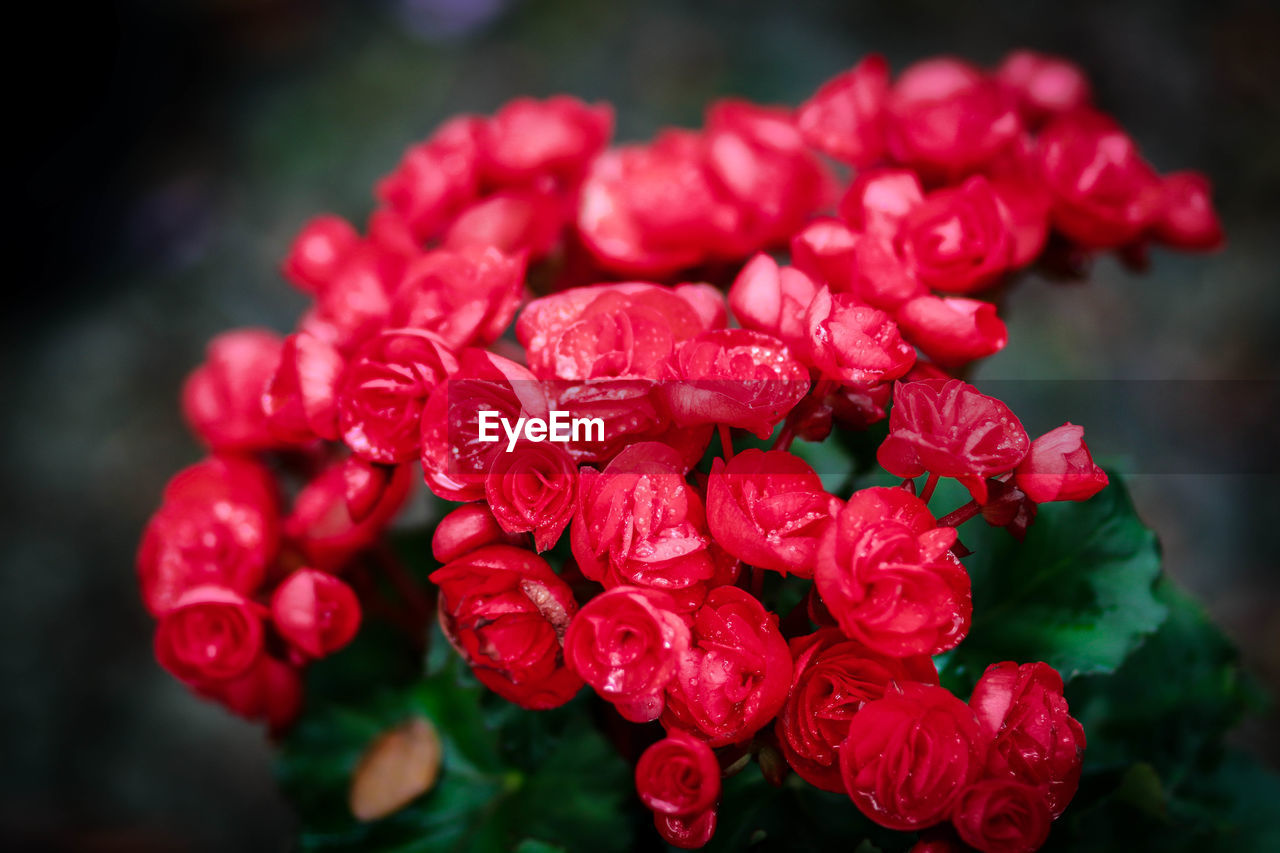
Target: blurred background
{"type": "Point", "coordinates": [169, 149]}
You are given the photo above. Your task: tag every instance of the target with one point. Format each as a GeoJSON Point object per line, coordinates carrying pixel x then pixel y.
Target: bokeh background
{"type": "Point", "coordinates": [170, 148]}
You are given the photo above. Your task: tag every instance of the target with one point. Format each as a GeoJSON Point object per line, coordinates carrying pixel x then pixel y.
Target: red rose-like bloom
{"type": "Point", "coordinates": [506, 612]}
{"type": "Point", "coordinates": [834, 677]}
{"type": "Point", "coordinates": [625, 216]}
{"type": "Point", "coordinates": [322, 524]}
{"type": "Point", "coordinates": [825, 250]}
{"type": "Point", "coordinates": [271, 690]}
{"type": "Point", "coordinates": [511, 222]}
{"type": "Point", "coordinates": [640, 523]}
{"type": "Point", "coordinates": [734, 377]}
{"type": "Point", "coordinates": [1035, 739]}
{"type": "Point", "coordinates": [1104, 194]}
{"type": "Point", "coordinates": [909, 754]}
{"type": "Point", "coordinates": [558, 137]}
{"type": "Point", "coordinates": [355, 304]}
{"type": "Point", "coordinates": [768, 509]}
{"type": "Point", "coordinates": [533, 488]}
{"type": "Point", "coordinates": [957, 240]}
{"type": "Point", "coordinates": [315, 612]}
{"type": "Point", "coordinates": [211, 634]}
{"type": "Point", "coordinates": [1044, 86]}
{"type": "Point", "coordinates": [760, 160]}
{"type": "Point", "coordinates": [435, 178]}
{"type": "Point", "coordinates": [887, 576]}
{"type": "Point", "coordinates": [386, 386]}
{"type": "Point", "coordinates": [1187, 219]}
{"type": "Point", "coordinates": [606, 331]}
{"type": "Point", "coordinates": [222, 398]}
{"type": "Point", "coordinates": [879, 199]}
{"type": "Point", "coordinates": [948, 428]}
{"type": "Point", "coordinates": [454, 459]}
{"type": "Point", "coordinates": [1059, 467]}
{"type": "Point", "coordinates": [301, 399]}
{"type": "Point", "coordinates": [854, 343]}
{"type": "Point", "coordinates": [318, 252]}
{"type": "Point", "coordinates": [688, 832]}
{"type": "Point", "coordinates": [1002, 816]}
{"type": "Point", "coordinates": [466, 529]}
{"type": "Point", "coordinates": [467, 296]}
{"type": "Point", "coordinates": [946, 118]}
{"type": "Point", "coordinates": [772, 299]}
{"type": "Point", "coordinates": [845, 118]}
{"type": "Point", "coordinates": [952, 331]}
{"type": "Point", "coordinates": [735, 675]}
{"type": "Point", "coordinates": [678, 775]}
{"type": "Point", "coordinates": [627, 643]}
{"type": "Point", "coordinates": [218, 524]}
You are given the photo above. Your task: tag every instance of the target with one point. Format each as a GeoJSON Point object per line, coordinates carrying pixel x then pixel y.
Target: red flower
{"type": "Point", "coordinates": [271, 690]}
{"type": "Point", "coordinates": [218, 525]}
{"type": "Point", "coordinates": [467, 296]}
{"type": "Point", "coordinates": [301, 399]}
{"type": "Point", "coordinates": [735, 674]}
{"type": "Point", "coordinates": [845, 118]}
{"type": "Point", "coordinates": [625, 216]}
{"type": "Point", "coordinates": [687, 832]}
{"type": "Point", "coordinates": [947, 428]}
{"type": "Point", "coordinates": [756, 155]}
{"type": "Point", "coordinates": [454, 459]}
{"type": "Point", "coordinates": [678, 775]}
{"type": "Point", "coordinates": [1035, 739]}
{"type": "Point", "coordinates": [627, 643]}
{"type": "Point", "coordinates": [386, 386]}
{"type": "Point", "coordinates": [322, 524]}
{"type": "Point", "coordinates": [606, 331]}
{"type": "Point", "coordinates": [533, 488]}
{"type": "Point", "coordinates": [853, 343]}
{"type": "Point", "coordinates": [825, 250]}
{"type": "Point", "coordinates": [833, 678]}
{"type": "Point", "coordinates": [355, 304]}
{"type": "Point", "coordinates": [222, 398]}
{"type": "Point", "coordinates": [1104, 194]}
{"type": "Point", "coordinates": [952, 331]}
{"type": "Point", "coordinates": [1059, 467]}
{"type": "Point", "coordinates": [318, 252]}
{"type": "Point", "coordinates": [734, 377]}
{"type": "Point", "coordinates": [315, 611]}
{"type": "Point", "coordinates": [1187, 219]}
{"type": "Point", "coordinates": [506, 612]}
{"type": "Point", "coordinates": [887, 576]}
{"type": "Point", "coordinates": [436, 178]}
{"type": "Point", "coordinates": [1044, 86]}
{"type": "Point", "coordinates": [957, 239]}
{"type": "Point", "coordinates": [514, 222]}
{"type": "Point", "coordinates": [772, 299]}
{"type": "Point", "coordinates": [879, 199]}
{"type": "Point", "coordinates": [640, 523]}
{"type": "Point", "coordinates": [1002, 816]}
{"type": "Point", "coordinates": [909, 754]}
{"type": "Point", "coordinates": [211, 634]}
{"type": "Point", "coordinates": [948, 119]}
{"type": "Point", "coordinates": [768, 509]}
{"type": "Point", "coordinates": [466, 529]}
{"type": "Point", "coordinates": [527, 139]}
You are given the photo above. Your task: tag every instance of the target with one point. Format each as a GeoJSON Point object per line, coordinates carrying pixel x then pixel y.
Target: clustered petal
{"type": "Point", "coordinates": [643, 287]}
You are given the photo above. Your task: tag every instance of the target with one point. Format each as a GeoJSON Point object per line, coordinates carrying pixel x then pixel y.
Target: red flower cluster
{"type": "Point", "coordinates": [652, 595]}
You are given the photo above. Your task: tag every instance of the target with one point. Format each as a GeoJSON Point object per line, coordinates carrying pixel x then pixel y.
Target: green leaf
{"type": "Point", "coordinates": [508, 776]}
{"type": "Point", "coordinates": [1076, 594]}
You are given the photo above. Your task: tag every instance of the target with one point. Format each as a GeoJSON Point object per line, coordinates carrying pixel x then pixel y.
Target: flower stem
{"type": "Point", "coordinates": [929, 486]}
{"type": "Point", "coordinates": [960, 515]}
{"type": "Point", "coordinates": [726, 442]}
